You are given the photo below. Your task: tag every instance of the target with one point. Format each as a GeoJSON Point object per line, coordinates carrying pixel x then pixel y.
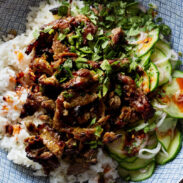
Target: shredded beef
{"type": "Point", "coordinates": [39, 153]}
{"type": "Point", "coordinates": [81, 79]}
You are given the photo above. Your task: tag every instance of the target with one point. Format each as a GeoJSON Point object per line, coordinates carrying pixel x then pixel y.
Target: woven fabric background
{"type": "Point", "coordinates": [13, 16]}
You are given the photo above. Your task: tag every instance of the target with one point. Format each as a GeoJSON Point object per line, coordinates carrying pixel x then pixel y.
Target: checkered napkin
{"type": "Point", "coordinates": [13, 16]}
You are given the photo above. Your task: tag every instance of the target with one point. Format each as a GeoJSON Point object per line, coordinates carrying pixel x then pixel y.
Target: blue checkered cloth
{"type": "Point", "coordinates": [13, 16]}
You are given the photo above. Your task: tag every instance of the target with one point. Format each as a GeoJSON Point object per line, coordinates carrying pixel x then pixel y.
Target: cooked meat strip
{"type": "Point", "coordinates": [117, 35]}
{"type": "Point", "coordinates": [37, 152]}
{"type": "Point", "coordinates": [81, 134]}
{"type": "Point", "coordinates": [34, 102]}
{"type": "Point", "coordinates": [42, 44]}
{"type": "Point", "coordinates": [48, 81]}
{"type": "Point", "coordinates": [114, 101]}
{"type": "Point", "coordinates": [109, 137]}
{"type": "Point", "coordinates": [93, 64]}
{"type": "Point", "coordinates": [51, 140]}
{"type": "Point", "coordinates": [26, 78]}
{"type": "Point", "coordinates": [81, 79]}
{"type": "Point", "coordinates": [9, 129]}
{"type": "Point", "coordinates": [57, 122]}
{"type": "Point", "coordinates": [82, 100]}
{"type": "Point", "coordinates": [138, 100]}
{"type": "Point", "coordinates": [57, 47]}
{"type": "Point", "coordinates": [40, 65]}
{"type": "Point", "coordinates": [128, 115]}
{"type": "Point", "coordinates": [31, 127]}
{"type": "Point", "coordinates": [63, 23]}
{"type": "Point", "coordinates": [91, 156]}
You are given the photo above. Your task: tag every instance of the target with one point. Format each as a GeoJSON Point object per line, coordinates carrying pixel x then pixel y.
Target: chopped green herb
{"type": "Point", "coordinates": [47, 29]}
{"type": "Point", "coordinates": [67, 95]}
{"type": "Point", "coordinates": [93, 121]}
{"type": "Point", "coordinates": [89, 37]}
{"type": "Point", "coordinates": [36, 34]}
{"type": "Point", "coordinates": [106, 66]}
{"type": "Point", "coordinates": [105, 86]}
{"type": "Point", "coordinates": [68, 64]}
{"type": "Point", "coordinates": [61, 37]}
{"type": "Point", "coordinates": [118, 90]}
{"type": "Point", "coordinates": [98, 131]}
{"type": "Point", "coordinates": [80, 59]}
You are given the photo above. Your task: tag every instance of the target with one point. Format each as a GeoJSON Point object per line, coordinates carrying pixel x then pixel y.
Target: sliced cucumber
{"type": "Point", "coordinates": [171, 93]}
{"type": "Point", "coordinates": [164, 140]}
{"type": "Point", "coordinates": [164, 67]}
{"type": "Point", "coordinates": [145, 59]}
{"type": "Point", "coordinates": [137, 175]}
{"type": "Point", "coordinates": [154, 76]}
{"type": "Point", "coordinates": [177, 74]}
{"type": "Point", "coordinates": [137, 164]}
{"type": "Point", "coordinates": [130, 159]}
{"type": "Point", "coordinates": [140, 125]}
{"type": "Point", "coordinates": [116, 148]}
{"type": "Point", "coordinates": [165, 131]}
{"type": "Point", "coordinates": [164, 47]}
{"type": "Point", "coordinates": [172, 151]}
{"type": "Point", "coordinates": [168, 124]}
{"type": "Point", "coordinates": [144, 82]}
{"type": "Point", "coordinates": [144, 46]}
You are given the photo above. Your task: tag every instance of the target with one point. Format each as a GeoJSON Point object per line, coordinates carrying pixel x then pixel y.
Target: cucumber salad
{"type": "Point", "coordinates": [105, 77]}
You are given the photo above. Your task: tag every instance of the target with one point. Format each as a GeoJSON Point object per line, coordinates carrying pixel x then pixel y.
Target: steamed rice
{"type": "Point", "coordinates": [12, 61]}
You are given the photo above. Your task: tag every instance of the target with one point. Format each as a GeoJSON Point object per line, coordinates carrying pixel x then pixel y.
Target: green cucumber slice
{"type": "Point", "coordinates": [164, 47]}
{"type": "Point", "coordinates": [154, 76]}
{"type": "Point", "coordinates": [164, 140]}
{"type": "Point", "coordinates": [172, 151]}
{"type": "Point", "coordinates": [138, 175]}
{"type": "Point", "coordinates": [144, 82]}
{"type": "Point", "coordinates": [140, 125]}
{"type": "Point", "coordinates": [137, 164]}
{"type": "Point", "coordinates": [143, 47]}
{"type": "Point", "coordinates": [165, 67]}
{"type": "Point", "coordinates": [170, 94]}
{"type": "Point", "coordinates": [116, 148]}
{"type": "Point", "coordinates": [144, 60]}
{"type": "Point", "coordinates": [130, 159]}
{"type": "Point", "coordinates": [168, 124]}
{"type": "Point", "coordinates": [177, 74]}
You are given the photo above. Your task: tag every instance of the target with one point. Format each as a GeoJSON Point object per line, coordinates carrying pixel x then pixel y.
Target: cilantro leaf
{"type": "Point", "coordinates": [36, 34]}
{"type": "Point", "coordinates": [106, 66]}
{"type": "Point", "coordinates": [98, 131]}
{"type": "Point", "coordinates": [93, 121]}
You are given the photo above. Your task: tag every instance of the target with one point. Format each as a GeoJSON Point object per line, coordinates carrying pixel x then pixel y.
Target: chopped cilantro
{"type": "Point", "coordinates": [118, 90]}
{"type": "Point", "coordinates": [36, 34]}
{"type": "Point", "coordinates": [98, 131]}
{"type": "Point", "coordinates": [105, 86]}
{"type": "Point", "coordinates": [47, 29]}
{"type": "Point", "coordinates": [67, 94]}
{"type": "Point", "coordinates": [89, 37]}
{"type": "Point", "coordinates": [68, 64]}
{"type": "Point", "coordinates": [61, 37]}
{"type": "Point", "coordinates": [93, 121]}
{"type": "Point", "coordinates": [106, 66]}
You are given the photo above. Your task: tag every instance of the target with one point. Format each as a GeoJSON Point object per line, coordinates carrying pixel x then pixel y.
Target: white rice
{"type": "Point", "coordinates": [10, 65]}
